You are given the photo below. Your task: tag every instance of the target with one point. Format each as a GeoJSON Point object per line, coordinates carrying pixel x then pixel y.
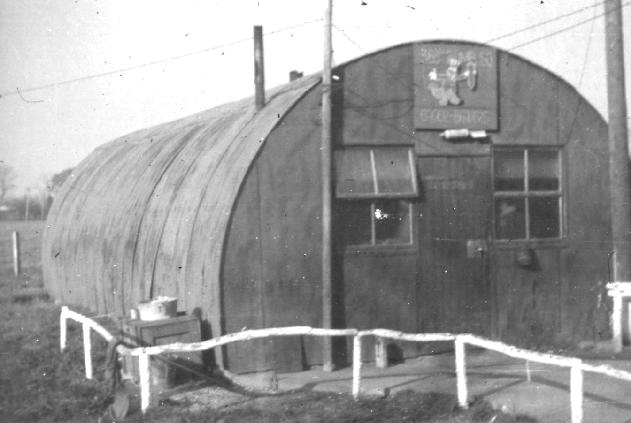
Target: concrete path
{"type": "Point", "coordinates": [499, 379]}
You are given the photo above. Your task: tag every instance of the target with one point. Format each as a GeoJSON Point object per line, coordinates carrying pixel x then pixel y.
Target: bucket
{"type": "Point", "coordinates": [158, 308]}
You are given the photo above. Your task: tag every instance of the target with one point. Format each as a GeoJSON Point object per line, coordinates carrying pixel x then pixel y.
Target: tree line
{"type": "Point", "coordinates": [33, 204]}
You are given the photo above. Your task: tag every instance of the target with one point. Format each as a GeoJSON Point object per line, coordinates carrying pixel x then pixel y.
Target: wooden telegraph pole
{"type": "Point", "coordinates": [327, 351]}
{"type": "Point", "coordinates": [618, 143]}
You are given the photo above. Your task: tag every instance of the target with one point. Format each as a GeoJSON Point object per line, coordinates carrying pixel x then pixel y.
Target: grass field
{"type": "Point", "coordinates": [37, 382]}
{"type": "Point", "coordinates": [30, 246]}
{"type": "Point", "coordinates": [40, 384]}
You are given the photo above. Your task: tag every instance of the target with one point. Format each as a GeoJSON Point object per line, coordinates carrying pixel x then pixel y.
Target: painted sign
{"type": "Point", "coordinates": [455, 86]}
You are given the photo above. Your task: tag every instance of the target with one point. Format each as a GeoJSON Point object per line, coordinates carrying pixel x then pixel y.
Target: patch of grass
{"type": "Point", "coordinates": [407, 406]}
{"type": "Point", "coordinates": [37, 382]}
{"type": "Point", "coordinates": [30, 243]}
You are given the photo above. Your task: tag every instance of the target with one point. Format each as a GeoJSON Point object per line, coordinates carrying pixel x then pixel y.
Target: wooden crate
{"type": "Point", "coordinates": [161, 332]}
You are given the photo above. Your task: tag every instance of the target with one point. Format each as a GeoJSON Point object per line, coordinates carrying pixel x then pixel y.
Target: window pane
{"type": "Point", "coordinates": [354, 220]}
{"type": "Point", "coordinates": [509, 170]}
{"type": "Point", "coordinates": [353, 173]}
{"type": "Point", "coordinates": [392, 222]}
{"type": "Point", "coordinates": [510, 218]}
{"type": "Point", "coordinates": [544, 217]}
{"type": "Point", "coordinates": [394, 174]}
{"type": "Point", "coordinates": [543, 170]}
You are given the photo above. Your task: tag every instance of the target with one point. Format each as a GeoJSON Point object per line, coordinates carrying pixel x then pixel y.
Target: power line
{"type": "Point", "coordinates": [19, 91]}
{"type": "Point", "coordinates": [405, 83]}
{"type": "Point", "coordinates": [567, 28]}
{"type": "Point", "coordinates": [592, 19]}
{"type": "Point", "coordinates": [527, 28]}
{"type": "Point", "coordinates": [586, 56]}
{"type": "Point", "coordinates": [579, 103]}
{"type": "Point", "coordinates": [545, 22]}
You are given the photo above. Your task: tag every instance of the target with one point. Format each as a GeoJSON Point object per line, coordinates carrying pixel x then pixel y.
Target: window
{"type": "Point", "coordinates": [375, 172]}
{"type": "Point", "coordinates": [373, 187]}
{"type": "Point", "coordinates": [527, 193]}
{"type": "Point", "coordinates": [373, 223]}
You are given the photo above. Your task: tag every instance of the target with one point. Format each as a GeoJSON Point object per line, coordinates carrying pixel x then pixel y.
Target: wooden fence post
{"type": "Point", "coordinates": [576, 393]}
{"type": "Point", "coordinates": [63, 328]}
{"type": "Point", "coordinates": [144, 375]}
{"type": "Point", "coordinates": [16, 254]}
{"type": "Point", "coordinates": [528, 374]}
{"type": "Point", "coordinates": [357, 364]}
{"type": "Point", "coordinates": [461, 373]}
{"type": "Point", "coordinates": [87, 350]}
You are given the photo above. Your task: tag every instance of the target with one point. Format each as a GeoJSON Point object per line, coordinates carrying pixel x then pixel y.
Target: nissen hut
{"type": "Point", "coordinates": [470, 194]}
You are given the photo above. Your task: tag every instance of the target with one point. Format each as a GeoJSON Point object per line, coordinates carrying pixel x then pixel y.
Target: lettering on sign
{"type": "Point", "coordinates": [455, 86]}
{"type": "Point", "coordinates": [461, 118]}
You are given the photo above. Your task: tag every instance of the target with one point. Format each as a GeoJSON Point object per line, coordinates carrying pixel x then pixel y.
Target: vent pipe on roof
{"type": "Point", "coordinates": [259, 68]}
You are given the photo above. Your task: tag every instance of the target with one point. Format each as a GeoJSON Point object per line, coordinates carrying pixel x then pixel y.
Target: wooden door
{"type": "Point", "coordinates": [454, 292]}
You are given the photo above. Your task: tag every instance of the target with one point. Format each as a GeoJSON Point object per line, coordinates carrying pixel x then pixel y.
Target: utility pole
{"type": "Point", "coordinates": [327, 315]}
{"type": "Point", "coordinates": [620, 190]}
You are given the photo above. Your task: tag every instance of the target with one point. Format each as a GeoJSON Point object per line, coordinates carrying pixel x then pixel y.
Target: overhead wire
{"type": "Point", "coordinates": [545, 22]}
{"type": "Point", "coordinates": [20, 91]}
{"type": "Point", "coordinates": [574, 25]}
{"type": "Point", "coordinates": [408, 132]}
{"type": "Point", "coordinates": [567, 28]}
{"type": "Point", "coordinates": [580, 82]}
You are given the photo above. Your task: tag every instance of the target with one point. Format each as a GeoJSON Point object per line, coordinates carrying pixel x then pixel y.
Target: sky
{"type": "Point", "coordinates": [55, 108]}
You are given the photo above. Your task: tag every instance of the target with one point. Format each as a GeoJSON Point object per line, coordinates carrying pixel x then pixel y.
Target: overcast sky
{"type": "Point", "coordinates": [45, 43]}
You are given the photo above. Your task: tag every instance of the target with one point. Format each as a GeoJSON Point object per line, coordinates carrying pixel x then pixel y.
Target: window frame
{"type": "Point", "coordinates": [373, 227]}
{"type": "Point", "coordinates": [375, 178]}
{"type": "Point", "coordinates": [372, 198]}
{"type": "Point", "coordinates": [526, 193]}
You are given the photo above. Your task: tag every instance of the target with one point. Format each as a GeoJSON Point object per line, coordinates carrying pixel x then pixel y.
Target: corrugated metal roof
{"type": "Point", "coordinates": [147, 214]}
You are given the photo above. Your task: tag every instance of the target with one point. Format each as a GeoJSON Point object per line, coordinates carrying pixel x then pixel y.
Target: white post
{"type": "Point", "coordinates": [357, 364]}
{"type": "Point", "coordinates": [144, 374]}
{"type": "Point", "coordinates": [16, 254]}
{"type": "Point", "coordinates": [528, 375]}
{"type": "Point", "coordinates": [461, 373]}
{"type": "Point", "coordinates": [63, 328]}
{"type": "Point", "coordinates": [576, 393]}
{"type": "Point", "coordinates": [616, 321]}
{"type": "Point", "coordinates": [381, 353]}
{"type": "Point", "coordinates": [627, 322]}
{"type": "Point", "coordinates": [87, 350]}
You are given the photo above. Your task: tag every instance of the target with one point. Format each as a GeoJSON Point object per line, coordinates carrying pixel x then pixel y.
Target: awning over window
{"type": "Point", "coordinates": [375, 172]}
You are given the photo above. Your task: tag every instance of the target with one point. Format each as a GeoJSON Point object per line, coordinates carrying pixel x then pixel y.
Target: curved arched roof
{"type": "Point", "coordinates": [130, 211]}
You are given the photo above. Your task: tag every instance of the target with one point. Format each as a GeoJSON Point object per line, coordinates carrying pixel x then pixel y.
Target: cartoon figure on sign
{"type": "Point", "coordinates": [444, 86]}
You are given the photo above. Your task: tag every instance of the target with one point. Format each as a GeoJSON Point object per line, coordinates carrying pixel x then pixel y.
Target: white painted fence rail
{"type": "Point", "coordinates": [576, 365]}
{"type": "Point", "coordinates": [143, 353]}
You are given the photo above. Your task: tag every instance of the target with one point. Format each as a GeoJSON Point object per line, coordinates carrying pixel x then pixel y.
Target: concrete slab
{"type": "Point", "coordinates": [499, 379]}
